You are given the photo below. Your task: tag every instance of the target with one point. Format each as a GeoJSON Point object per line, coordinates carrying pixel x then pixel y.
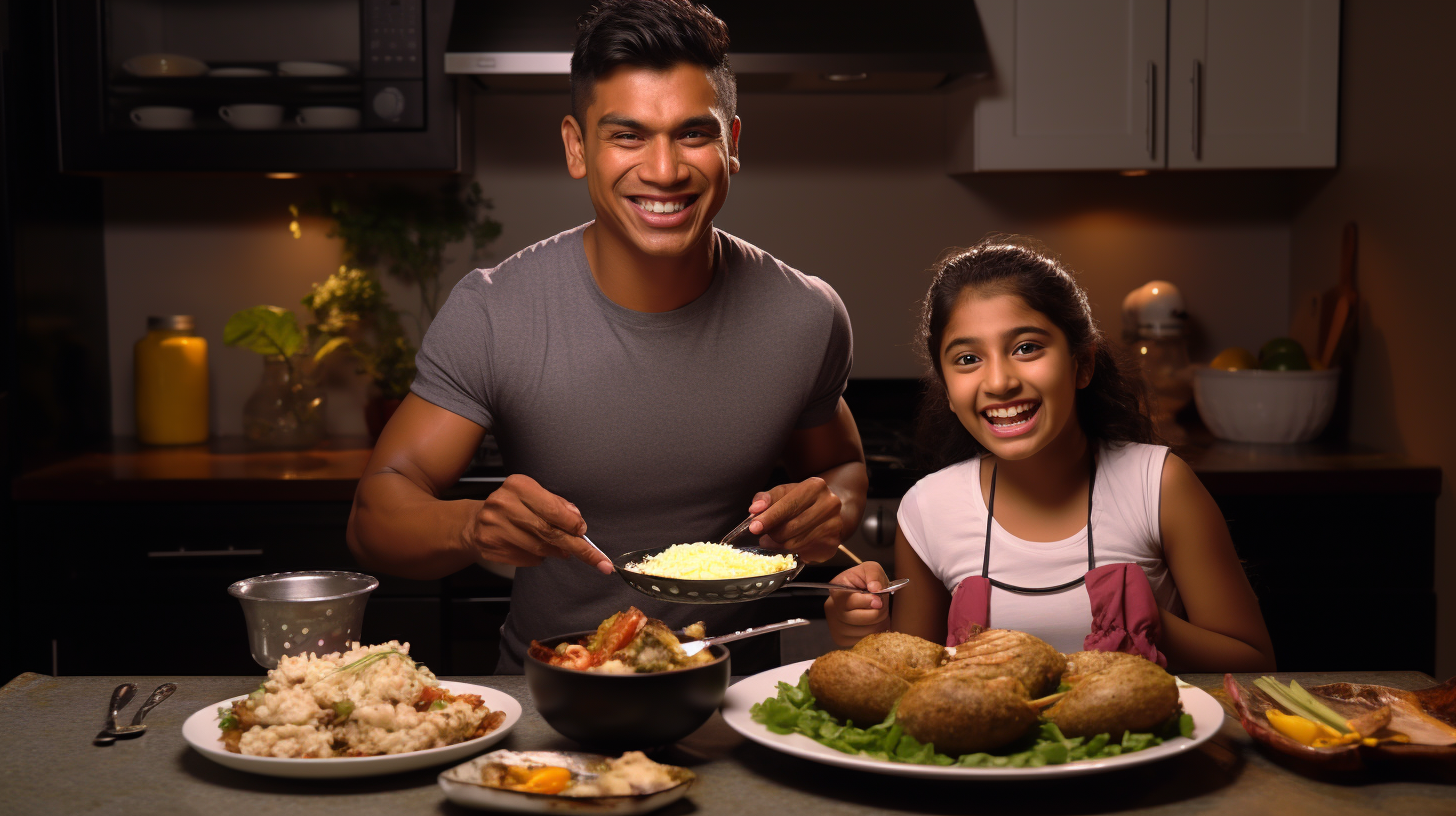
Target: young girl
{"type": "Point", "coordinates": [1052, 513]}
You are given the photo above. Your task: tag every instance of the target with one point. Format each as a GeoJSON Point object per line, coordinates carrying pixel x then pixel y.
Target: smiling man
{"type": "Point", "coordinates": [642, 373]}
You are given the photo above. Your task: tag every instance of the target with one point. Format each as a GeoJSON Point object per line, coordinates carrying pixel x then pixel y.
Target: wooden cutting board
{"type": "Point", "coordinates": [1338, 307]}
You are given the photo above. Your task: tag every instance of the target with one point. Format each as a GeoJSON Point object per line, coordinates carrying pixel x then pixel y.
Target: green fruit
{"type": "Point", "coordinates": [1283, 354]}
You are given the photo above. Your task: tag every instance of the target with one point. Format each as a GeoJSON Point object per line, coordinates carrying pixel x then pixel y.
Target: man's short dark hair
{"type": "Point", "coordinates": [657, 34]}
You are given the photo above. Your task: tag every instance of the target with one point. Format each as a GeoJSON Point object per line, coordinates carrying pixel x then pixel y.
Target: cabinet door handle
{"type": "Point", "coordinates": [1197, 81]}
{"type": "Point", "coordinates": [1152, 108]}
{"type": "Point", "coordinates": [185, 553]}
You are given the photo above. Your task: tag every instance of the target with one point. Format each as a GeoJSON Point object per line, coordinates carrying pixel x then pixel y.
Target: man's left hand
{"type": "Point", "coordinates": [803, 518]}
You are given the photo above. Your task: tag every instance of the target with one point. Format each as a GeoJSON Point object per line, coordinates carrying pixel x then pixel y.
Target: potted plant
{"type": "Point", "coordinates": [351, 311]}
{"type": "Point", "coordinates": [403, 232]}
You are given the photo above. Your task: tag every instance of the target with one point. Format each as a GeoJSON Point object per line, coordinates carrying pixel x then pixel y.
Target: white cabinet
{"type": "Point", "coordinates": [1253, 83]}
{"type": "Point", "coordinates": [1150, 84]}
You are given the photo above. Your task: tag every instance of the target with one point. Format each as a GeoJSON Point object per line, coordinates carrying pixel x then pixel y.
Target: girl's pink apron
{"type": "Point", "coordinates": [1125, 615]}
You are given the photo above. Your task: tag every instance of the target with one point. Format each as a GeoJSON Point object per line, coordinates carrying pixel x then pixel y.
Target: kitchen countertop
{"type": "Point", "coordinates": [224, 470]}
{"type": "Point", "coordinates": [51, 766]}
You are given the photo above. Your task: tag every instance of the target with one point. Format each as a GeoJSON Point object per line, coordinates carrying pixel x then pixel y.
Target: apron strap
{"type": "Point", "coordinates": [970, 606]}
{"type": "Point", "coordinates": [986, 547]}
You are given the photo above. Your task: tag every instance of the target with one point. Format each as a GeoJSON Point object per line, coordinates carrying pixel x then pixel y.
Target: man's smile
{"type": "Point", "coordinates": [660, 205]}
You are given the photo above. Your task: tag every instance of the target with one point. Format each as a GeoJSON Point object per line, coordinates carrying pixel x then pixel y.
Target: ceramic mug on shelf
{"type": "Point", "coordinates": [161, 117]}
{"type": "Point", "coordinates": [252, 117]}
{"type": "Point", "coordinates": [328, 117]}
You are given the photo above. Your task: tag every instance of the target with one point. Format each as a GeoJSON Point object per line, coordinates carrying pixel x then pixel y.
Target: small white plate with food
{"type": "Point", "coordinates": [565, 782]}
{"type": "Point", "coordinates": [364, 712]}
{"type": "Point", "coordinates": [1207, 716]}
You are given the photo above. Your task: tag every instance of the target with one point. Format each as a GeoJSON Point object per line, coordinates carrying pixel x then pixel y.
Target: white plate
{"type": "Point", "coordinates": [200, 730]}
{"type": "Point", "coordinates": [313, 69]}
{"type": "Point", "coordinates": [164, 65]}
{"type": "Point", "coordinates": [462, 786]}
{"type": "Point", "coordinates": [1207, 717]}
{"type": "Point", "coordinates": [240, 72]}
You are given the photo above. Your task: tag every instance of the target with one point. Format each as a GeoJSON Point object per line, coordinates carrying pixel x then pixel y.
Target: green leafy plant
{"type": "Point", "coordinates": [404, 232]}
{"type": "Point", "coordinates": [269, 330]}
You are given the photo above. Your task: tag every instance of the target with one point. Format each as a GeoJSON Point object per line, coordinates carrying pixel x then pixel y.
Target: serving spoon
{"type": "Point", "coordinates": [693, 647]}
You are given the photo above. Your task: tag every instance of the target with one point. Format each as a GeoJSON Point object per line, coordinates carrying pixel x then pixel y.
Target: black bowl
{"type": "Point", "coordinates": [622, 712]}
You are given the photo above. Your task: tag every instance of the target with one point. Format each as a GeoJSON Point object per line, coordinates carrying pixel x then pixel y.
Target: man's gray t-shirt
{"type": "Point", "coordinates": [659, 427]}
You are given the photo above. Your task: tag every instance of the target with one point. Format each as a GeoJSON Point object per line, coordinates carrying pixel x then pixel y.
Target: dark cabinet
{"type": "Point", "coordinates": [1345, 582]}
{"type": "Point", "coordinates": [141, 587]}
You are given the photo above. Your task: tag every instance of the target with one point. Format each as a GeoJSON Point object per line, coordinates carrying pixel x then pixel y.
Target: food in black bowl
{"type": "Point", "coordinates": [611, 697]}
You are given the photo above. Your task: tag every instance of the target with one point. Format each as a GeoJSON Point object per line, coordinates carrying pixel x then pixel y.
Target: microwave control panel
{"type": "Point", "coordinates": [393, 39]}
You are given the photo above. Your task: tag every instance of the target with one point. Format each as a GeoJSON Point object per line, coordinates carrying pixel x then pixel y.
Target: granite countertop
{"type": "Point", "coordinates": [51, 766]}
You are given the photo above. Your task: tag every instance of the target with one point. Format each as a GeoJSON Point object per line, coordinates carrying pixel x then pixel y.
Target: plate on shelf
{"type": "Point", "coordinates": [240, 72]}
{"type": "Point", "coordinates": [164, 65]}
{"type": "Point", "coordinates": [312, 69]}
{"type": "Point", "coordinates": [1207, 718]}
{"type": "Point", "coordinates": [201, 732]}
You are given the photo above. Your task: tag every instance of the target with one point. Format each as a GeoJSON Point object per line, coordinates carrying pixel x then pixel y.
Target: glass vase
{"type": "Point", "coordinates": [285, 411]}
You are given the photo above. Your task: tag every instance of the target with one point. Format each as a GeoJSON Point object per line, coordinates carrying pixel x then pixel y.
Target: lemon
{"type": "Point", "coordinates": [1234, 358]}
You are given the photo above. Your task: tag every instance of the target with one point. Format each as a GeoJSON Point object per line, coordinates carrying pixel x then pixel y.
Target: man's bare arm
{"type": "Point", "coordinates": [813, 516]}
{"type": "Point", "coordinates": [400, 526]}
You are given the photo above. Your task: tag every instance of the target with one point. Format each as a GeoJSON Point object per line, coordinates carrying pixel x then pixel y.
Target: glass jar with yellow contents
{"type": "Point", "coordinates": [170, 370]}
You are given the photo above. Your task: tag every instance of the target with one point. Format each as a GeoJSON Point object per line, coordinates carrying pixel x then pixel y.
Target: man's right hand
{"type": "Point", "coordinates": [853, 615]}
{"type": "Point", "coordinates": [522, 523]}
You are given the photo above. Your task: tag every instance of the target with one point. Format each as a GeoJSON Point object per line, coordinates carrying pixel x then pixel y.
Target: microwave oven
{"type": "Point", "coordinates": [272, 86]}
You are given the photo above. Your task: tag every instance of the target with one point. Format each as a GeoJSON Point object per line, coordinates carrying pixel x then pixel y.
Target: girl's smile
{"type": "Point", "coordinates": [1012, 419]}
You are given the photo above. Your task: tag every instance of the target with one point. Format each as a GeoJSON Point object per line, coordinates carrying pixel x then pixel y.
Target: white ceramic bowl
{"type": "Point", "coordinates": [1265, 406]}
{"type": "Point", "coordinates": [252, 117]}
{"type": "Point", "coordinates": [161, 117]}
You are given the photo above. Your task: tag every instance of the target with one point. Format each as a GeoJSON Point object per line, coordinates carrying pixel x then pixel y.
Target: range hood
{"type": "Point", "coordinates": [791, 45]}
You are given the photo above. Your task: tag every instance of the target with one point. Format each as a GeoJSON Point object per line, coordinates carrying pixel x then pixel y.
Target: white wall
{"type": "Point", "coordinates": [1397, 171]}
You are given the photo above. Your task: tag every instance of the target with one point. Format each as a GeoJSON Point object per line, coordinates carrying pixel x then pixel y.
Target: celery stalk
{"type": "Point", "coordinates": [1289, 699]}
{"type": "Point", "coordinates": [1325, 713]}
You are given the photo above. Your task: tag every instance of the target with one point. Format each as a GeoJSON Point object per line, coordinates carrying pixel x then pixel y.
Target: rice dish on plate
{"type": "Point", "coordinates": [707, 561]}
{"type": "Point", "coordinates": [368, 701]}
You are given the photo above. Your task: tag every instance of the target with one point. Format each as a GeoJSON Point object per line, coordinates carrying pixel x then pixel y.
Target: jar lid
{"type": "Point", "coordinates": [171, 323]}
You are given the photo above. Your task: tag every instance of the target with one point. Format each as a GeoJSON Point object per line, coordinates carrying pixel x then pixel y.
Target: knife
{"type": "Point", "coordinates": [119, 698]}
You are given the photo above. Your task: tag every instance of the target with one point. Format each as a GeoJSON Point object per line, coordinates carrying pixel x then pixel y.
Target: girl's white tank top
{"type": "Point", "coordinates": [943, 518]}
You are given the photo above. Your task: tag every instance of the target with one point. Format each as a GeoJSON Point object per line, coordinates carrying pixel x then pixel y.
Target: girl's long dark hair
{"type": "Point", "coordinates": [1108, 409]}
